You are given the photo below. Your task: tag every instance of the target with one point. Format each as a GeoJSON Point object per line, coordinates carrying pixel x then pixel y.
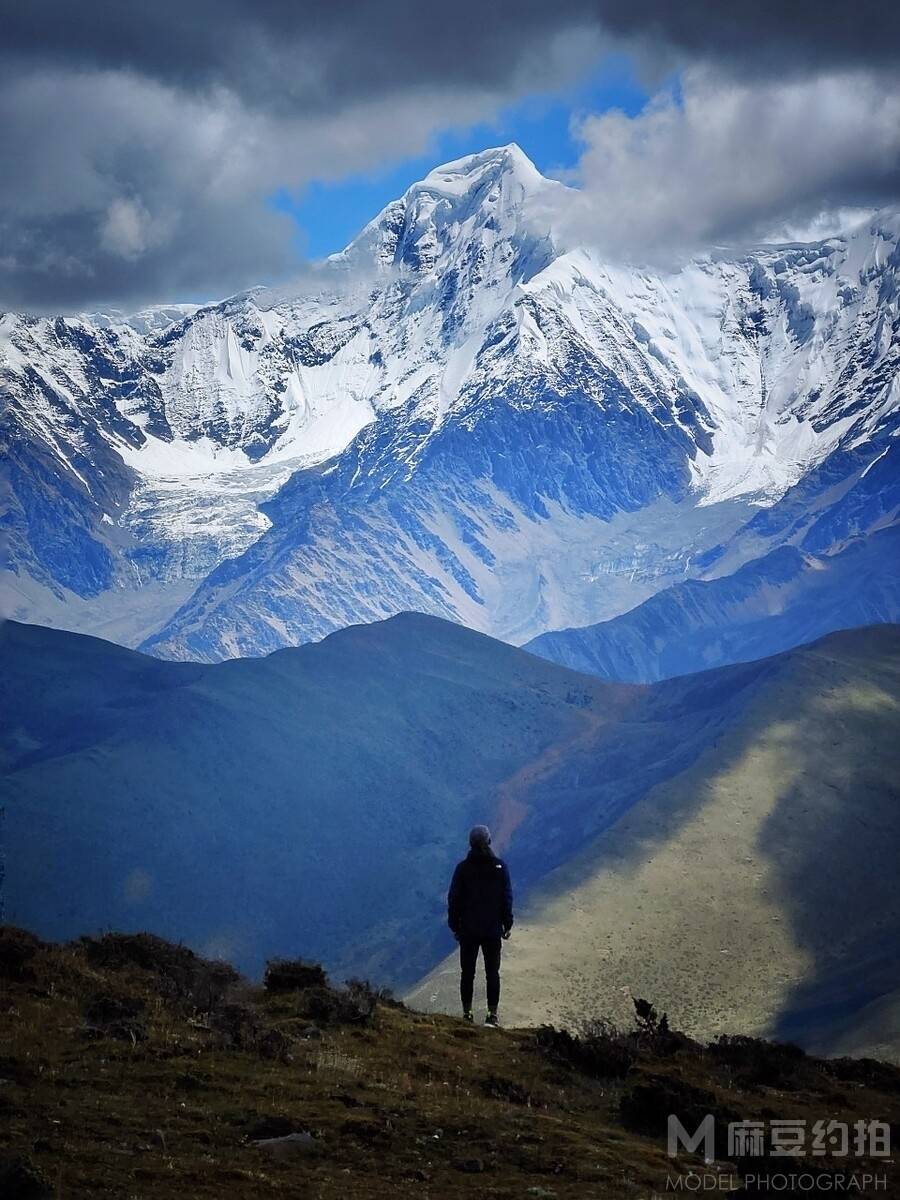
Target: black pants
{"type": "Point", "coordinates": [468, 956]}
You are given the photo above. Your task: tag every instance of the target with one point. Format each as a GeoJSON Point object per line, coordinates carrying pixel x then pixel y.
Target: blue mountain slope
{"type": "Point", "coordinates": [788, 597]}
{"type": "Point", "coordinates": [314, 800]}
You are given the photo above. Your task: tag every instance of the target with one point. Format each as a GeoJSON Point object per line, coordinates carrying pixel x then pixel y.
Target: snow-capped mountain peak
{"type": "Point", "coordinates": [456, 413]}
{"type": "Point", "coordinates": [497, 162]}
{"type": "Point", "coordinates": [487, 197]}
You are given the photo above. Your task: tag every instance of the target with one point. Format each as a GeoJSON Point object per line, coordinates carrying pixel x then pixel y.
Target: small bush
{"type": "Point", "coordinates": [498, 1088]}
{"type": "Point", "coordinates": [20, 1179]}
{"type": "Point", "coordinates": [364, 997]}
{"type": "Point", "coordinates": [274, 1044]}
{"type": "Point", "coordinates": [354, 1004]}
{"type": "Point", "coordinates": [382, 995]}
{"type": "Point", "coordinates": [181, 975]}
{"type": "Point", "coordinates": [17, 948]}
{"type": "Point", "coordinates": [238, 1024]}
{"type": "Point", "coordinates": [17, 1070]}
{"type": "Point", "coordinates": [271, 1127]}
{"type": "Point", "coordinates": [598, 1049]}
{"type": "Point", "coordinates": [884, 1077]}
{"type": "Point", "coordinates": [648, 1022]}
{"type": "Point", "coordinates": [241, 1027]}
{"type": "Point", "coordinates": [187, 1081]}
{"type": "Point", "coordinates": [758, 1063]}
{"type": "Point", "coordinates": [654, 1032]}
{"type": "Point", "coordinates": [647, 1106]}
{"type": "Point", "coordinates": [293, 975]}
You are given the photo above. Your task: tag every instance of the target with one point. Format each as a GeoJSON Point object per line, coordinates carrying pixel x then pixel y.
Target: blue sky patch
{"type": "Point", "coordinates": [330, 214]}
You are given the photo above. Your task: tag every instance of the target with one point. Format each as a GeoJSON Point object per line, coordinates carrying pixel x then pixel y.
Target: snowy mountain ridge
{"type": "Point", "coordinates": [456, 413]}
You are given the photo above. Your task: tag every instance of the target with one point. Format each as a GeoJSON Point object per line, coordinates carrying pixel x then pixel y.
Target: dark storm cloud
{"type": "Point", "coordinates": [765, 37]}
{"type": "Point", "coordinates": [281, 53]}
{"type": "Point", "coordinates": [140, 140]}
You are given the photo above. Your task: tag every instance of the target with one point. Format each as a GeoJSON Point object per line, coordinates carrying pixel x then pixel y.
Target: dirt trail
{"type": "Point", "coordinates": [512, 794]}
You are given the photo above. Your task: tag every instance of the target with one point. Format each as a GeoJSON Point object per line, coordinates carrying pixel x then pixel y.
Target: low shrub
{"type": "Point", "coordinates": [20, 1179]}
{"type": "Point", "coordinates": [271, 1127]}
{"type": "Point", "coordinates": [598, 1049]}
{"type": "Point", "coordinates": [757, 1063]}
{"type": "Point", "coordinates": [354, 1004]}
{"type": "Point", "coordinates": [241, 1027]}
{"type": "Point", "coordinates": [654, 1032]}
{"type": "Point", "coordinates": [238, 1024]}
{"type": "Point", "coordinates": [293, 975]}
{"type": "Point", "coordinates": [646, 1108]}
{"type": "Point", "coordinates": [498, 1088]}
{"type": "Point", "coordinates": [181, 975]}
{"type": "Point", "coordinates": [883, 1076]}
{"type": "Point", "coordinates": [17, 948]}
{"type": "Point", "coordinates": [113, 1016]}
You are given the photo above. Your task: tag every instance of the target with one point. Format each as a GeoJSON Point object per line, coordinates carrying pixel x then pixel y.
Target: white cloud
{"type": "Point", "coordinates": [143, 147]}
{"type": "Point", "coordinates": [147, 193]}
{"type": "Point", "coordinates": [126, 228]}
{"type": "Point", "coordinates": [734, 159]}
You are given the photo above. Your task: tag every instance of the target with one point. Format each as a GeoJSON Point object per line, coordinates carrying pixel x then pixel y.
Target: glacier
{"type": "Point", "coordinates": [459, 414]}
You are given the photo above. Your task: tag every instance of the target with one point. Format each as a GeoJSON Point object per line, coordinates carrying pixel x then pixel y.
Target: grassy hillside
{"type": "Point", "coordinates": [132, 1068]}
{"type": "Point", "coordinates": [726, 842]}
{"type": "Point", "coordinates": [754, 890]}
{"type": "Point", "coordinates": [311, 801]}
{"type": "Point", "coordinates": [314, 801]}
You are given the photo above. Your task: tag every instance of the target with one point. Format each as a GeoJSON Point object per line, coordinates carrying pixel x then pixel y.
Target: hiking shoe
{"type": "Point", "coordinates": [467, 1015]}
{"type": "Point", "coordinates": [492, 1019]}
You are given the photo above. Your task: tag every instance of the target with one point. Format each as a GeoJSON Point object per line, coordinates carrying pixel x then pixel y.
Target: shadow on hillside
{"type": "Point", "coordinates": [833, 843]}
{"type": "Point", "coordinates": [828, 844]}
{"type": "Point", "coordinates": [668, 729]}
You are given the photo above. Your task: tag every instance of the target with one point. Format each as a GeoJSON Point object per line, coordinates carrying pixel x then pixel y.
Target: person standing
{"type": "Point", "coordinates": [480, 916]}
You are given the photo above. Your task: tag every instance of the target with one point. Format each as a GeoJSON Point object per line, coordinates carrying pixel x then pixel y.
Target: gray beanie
{"type": "Point", "coordinates": [479, 835]}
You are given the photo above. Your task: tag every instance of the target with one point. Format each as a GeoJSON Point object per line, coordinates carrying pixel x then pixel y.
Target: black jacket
{"type": "Point", "coordinates": [479, 903]}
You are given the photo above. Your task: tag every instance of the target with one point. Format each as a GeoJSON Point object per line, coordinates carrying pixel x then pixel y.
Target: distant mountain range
{"type": "Point", "coordinates": [787, 597]}
{"type": "Point", "coordinates": [465, 415]}
{"type": "Point", "coordinates": [684, 839]}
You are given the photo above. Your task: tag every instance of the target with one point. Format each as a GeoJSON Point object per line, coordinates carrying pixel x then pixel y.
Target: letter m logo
{"type": "Point", "coordinates": [705, 1137]}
